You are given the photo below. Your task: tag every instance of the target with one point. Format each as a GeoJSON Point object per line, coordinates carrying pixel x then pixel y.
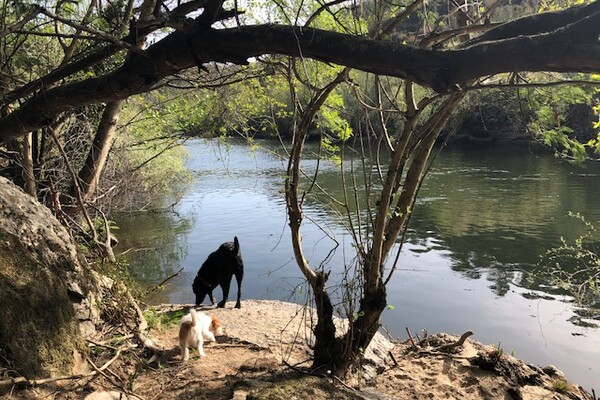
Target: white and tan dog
{"type": "Point", "coordinates": [194, 329]}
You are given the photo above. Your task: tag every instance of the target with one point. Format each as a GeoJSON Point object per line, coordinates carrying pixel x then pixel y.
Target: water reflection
{"type": "Point", "coordinates": [154, 243]}
{"type": "Point", "coordinates": [483, 218]}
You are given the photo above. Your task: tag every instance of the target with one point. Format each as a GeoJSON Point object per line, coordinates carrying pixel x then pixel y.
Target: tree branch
{"type": "Point", "coordinates": [88, 29]}
{"type": "Point", "coordinates": [538, 23]}
{"type": "Point", "coordinates": [574, 48]}
{"type": "Point", "coordinates": [19, 25]}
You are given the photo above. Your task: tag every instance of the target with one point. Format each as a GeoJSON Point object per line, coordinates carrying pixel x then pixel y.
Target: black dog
{"type": "Point", "coordinates": [218, 269]}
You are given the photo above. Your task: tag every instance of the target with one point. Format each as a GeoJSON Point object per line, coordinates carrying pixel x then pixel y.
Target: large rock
{"type": "Point", "coordinates": [46, 290]}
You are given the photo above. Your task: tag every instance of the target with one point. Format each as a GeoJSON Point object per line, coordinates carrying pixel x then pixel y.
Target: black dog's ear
{"type": "Point", "coordinates": [236, 244]}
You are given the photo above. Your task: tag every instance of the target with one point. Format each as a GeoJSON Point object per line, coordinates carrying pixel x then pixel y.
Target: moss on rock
{"type": "Point", "coordinates": [42, 286]}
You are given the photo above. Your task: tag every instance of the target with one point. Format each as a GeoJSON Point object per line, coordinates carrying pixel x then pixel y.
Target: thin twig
{"type": "Point", "coordinates": [75, 183]}
{"type": "Point", "coordinates": [103, 343]}
{"type": "Point", "coordinates": [97, 344]}
{"type": "Point", "coordinates": [162, 283]}
{"type": "Point", "coordinates": [142, 327]}
{"type": "Point", "coordinates": [37, 382]}
{"type": "Point", "coordinates": [393, 358]}
{"type": "Point", "coordinates": [87, 28]}
{"type": "Point", "coordinates": [342, 382]}
{"type": "Point", "coordinates": [412, 342]}
{"type": "Point", "coordinates": [15, 27]}
{"type": "Point", "coordinates": [387, 332]}
{"type": "Point", "coordinates": [120, 386]}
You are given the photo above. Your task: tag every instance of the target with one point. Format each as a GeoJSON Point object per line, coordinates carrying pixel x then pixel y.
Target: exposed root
{"type": "Point", "coordinates": [452, 346]}
{"type": "Point", "coordinates": [143, 328]}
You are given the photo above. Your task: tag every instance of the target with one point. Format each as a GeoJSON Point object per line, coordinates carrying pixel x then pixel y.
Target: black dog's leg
{"type": "Point", "coordinates": [225, 287]}
{"type": "Point", "coordinates": [211, 297]}
{"type": "Point", "coordinates": [238, 278]}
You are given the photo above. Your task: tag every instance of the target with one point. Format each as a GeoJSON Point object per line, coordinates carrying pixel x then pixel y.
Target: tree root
{"type": "Point", "coordinates": [440, 350]}
{"type": "Point", "coordinates": [143, 327]}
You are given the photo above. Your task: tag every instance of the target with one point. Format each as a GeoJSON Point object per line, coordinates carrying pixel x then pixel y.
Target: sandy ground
{"type": "Point", "coordinates": [261, 341]}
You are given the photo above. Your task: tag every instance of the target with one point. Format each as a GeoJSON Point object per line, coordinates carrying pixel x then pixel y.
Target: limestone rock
{"type": "Point", "coordinates": [46, 289]}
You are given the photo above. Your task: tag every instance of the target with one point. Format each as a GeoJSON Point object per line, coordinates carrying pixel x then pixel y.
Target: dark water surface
{"type": "Point", "coordinates": [483, 218]}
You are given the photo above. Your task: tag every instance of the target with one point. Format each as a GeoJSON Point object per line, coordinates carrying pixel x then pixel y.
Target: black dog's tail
{"type": "Point", "coordinates": [236, 244]}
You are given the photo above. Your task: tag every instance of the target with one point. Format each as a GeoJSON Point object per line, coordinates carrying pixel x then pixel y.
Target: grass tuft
{"type": "Point", "coordinates": [559, 385]}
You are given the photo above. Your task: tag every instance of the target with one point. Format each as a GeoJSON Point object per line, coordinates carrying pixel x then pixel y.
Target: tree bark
{"type": "Point", "coordinates": [328, 351]}
{"type": "Point", "coordinates": [90, 173]}
{"type": "Point", "coordinates": [89, 176]}
{"type": "Point", "coordinates": [538, 23]}
{"type": "Point", "coordinates": [28, 175]}
{"type": "Point", "coordinates": [416, 172]}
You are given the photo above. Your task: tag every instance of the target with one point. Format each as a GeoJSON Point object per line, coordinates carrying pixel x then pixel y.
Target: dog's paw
{"type": "Point", "coordinates": [202, 353]}
{"type": "Point", "coordinates": [221, 304]}
{"type": "Point", "coordinates": [238, 305]}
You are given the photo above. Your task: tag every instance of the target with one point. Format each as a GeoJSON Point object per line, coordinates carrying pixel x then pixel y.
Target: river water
{"type": "Point", "coordinates": [483, 218]}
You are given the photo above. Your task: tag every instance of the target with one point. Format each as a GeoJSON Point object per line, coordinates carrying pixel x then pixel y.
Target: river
{"type": "Point", "coordinates": [484, 216]}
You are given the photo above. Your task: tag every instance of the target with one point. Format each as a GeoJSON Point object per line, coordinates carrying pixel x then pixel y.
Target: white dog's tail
{"type": "Point", "coordinates": [194, 315]}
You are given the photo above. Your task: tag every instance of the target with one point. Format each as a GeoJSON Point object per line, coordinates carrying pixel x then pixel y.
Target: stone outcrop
{"type": "Point", "coordinates": [47, 292]}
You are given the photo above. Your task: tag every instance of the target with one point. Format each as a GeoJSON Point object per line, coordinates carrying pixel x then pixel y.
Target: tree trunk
{"type": "Point", "coordinates": [89, 175]}
{"type": "Point", "coordinates": [328, 351]}
{"type": "Point", "coordinates": [374, 299]}
{"type": "Point", "coordinates": [28, 175]}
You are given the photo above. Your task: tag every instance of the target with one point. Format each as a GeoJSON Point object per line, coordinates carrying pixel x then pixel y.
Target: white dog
{"type": "Point", "coordinates": [194, 329]}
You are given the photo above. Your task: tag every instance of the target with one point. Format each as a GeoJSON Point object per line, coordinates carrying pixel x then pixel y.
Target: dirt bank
{"type": "Point", "coordinates": [253, 360]}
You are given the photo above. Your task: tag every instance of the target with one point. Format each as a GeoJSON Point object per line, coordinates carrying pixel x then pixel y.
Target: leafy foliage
{"type": "Point", "coordinates": [551, 106]}
{"type": "Point", "coordinates": [148, 156]}
{"type": "Point", "coordinates": [575, 267]}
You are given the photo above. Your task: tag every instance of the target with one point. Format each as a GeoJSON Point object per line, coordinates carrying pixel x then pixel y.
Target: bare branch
{"type": "Point", "coordinates": [84, 28]}
{"type": "Point", "coordinates": [19, 25]}
{"type": "Point", "coordinates": [321, 9]}
{"type": "Point", "coordinates": [539, 23]}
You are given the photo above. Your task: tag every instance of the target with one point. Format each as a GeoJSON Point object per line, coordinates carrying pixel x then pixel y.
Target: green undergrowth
{"type": "Point", "coordinates": [162, 320]}
{"type": "Point", "coordinates": [559, 385]}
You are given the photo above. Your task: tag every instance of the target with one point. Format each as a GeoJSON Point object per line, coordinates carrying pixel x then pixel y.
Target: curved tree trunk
{"type": "Point", "coordinates": [338, 355]}
{"type": "Point", "coordinates": [327, 350]}
{"type": "Point", "coordinates": [89, 175]}
{"type": "Point", "coordinates": [328, 354]}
